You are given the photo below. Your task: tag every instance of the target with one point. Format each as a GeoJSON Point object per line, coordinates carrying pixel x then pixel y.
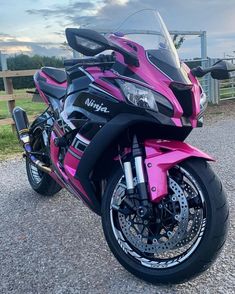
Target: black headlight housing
{"type": "Point", "coordinates": [144, 97]}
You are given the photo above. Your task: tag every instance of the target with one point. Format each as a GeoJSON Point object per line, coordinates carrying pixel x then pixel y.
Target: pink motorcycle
{"type": "Point", "coordinates": [113, 135]}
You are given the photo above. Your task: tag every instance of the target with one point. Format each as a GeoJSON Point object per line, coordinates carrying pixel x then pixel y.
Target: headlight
{"type": "Point", "coordinates": [144, 97]}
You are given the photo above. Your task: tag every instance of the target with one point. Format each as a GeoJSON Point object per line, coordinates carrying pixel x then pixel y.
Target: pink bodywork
{"type": "Point", "coordinates": [162, 156]}
{"type": "Point", "coordinates": [154, 78]}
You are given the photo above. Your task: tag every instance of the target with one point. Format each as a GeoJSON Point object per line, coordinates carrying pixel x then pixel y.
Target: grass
{"type": "Point", "coordinates": [27, 104]}
{"type": "Point", "coordinates": [227, 92]}
{"type": "Point", "coordinates": [8, 141]}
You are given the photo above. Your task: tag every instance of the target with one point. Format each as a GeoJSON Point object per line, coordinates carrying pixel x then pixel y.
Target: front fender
{"type": "Point", "coordinates": [162, 156]}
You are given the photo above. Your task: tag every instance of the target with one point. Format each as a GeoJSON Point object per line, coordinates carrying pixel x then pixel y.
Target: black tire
{"type": "Point", "coordinates": [210, 245]}
{"type": "Point", "coordinates": [41, 182]}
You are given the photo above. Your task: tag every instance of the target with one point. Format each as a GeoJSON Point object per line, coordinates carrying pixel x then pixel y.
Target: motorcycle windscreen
{"type": "Point", "coordinates": [147, 28]}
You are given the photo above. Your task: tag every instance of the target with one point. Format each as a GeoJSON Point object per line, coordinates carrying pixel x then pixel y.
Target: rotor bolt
{"type": "Point", "coordinates": [173, 198]}
{"type": "Point", "coordinates": [177, 217]}
{"type": "Point", "coordinates": [160, 205]}
{"type": "Point", "coordinates": [169, 233]}
{"type": "Point", "coordinates": [153, 189]}
{"type": "Point", "coordinates": [149, 165]}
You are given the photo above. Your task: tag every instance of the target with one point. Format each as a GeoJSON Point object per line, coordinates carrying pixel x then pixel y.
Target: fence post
{"type": "Point", "coordinates": [214, 96]}
{"type": "Point", "coordinates": [8, 86]}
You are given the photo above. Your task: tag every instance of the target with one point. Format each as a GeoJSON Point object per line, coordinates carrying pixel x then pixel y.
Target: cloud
{"type": "Point", "coordinates": [6, 37]}
{"type": "Point", "coordinates": [32, 48]}
{"type": "Point", "coordinates": [63, 10]}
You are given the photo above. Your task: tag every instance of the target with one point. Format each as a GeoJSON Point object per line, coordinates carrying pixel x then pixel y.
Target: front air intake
{"type": "Point", "coordinates": [183, 93]}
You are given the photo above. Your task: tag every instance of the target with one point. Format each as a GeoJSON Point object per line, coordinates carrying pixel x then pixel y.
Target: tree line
{"type": "Point", "coordinates": [24, 62]}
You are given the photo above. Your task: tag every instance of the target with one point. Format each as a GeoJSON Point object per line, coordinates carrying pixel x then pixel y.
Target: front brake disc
{"type": "Point", "coordinates": [136, 235]}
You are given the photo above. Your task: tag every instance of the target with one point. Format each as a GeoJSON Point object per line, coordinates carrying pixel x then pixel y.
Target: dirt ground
{"type": "Point", "coordinates": [219, 112]}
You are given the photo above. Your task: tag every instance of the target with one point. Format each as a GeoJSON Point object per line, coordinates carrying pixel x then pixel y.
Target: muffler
{"type": "Point", "coordinates": [22, 127]}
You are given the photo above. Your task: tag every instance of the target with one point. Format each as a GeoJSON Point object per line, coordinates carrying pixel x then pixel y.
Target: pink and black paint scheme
{"type": "Point", "coordinates": [93, 114]}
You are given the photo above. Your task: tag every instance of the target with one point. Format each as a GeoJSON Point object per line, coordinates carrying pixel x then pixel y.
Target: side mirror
{"type": "Point", "coordinates": [87, 42]}
{"type": "Point", "coordinates": [90, 43]}
{"type": "Point", "coordinates": [221, 70]}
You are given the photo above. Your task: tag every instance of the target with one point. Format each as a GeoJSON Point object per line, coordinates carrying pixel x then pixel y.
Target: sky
{"type": "Point", "coordinates": [37, 26]}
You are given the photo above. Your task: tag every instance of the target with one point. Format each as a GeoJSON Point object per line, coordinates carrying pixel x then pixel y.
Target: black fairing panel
{"type": "Point", "coordinates": [106, 137]}
{"type": "Point", "coordinates": [99, 144]}
{"type": "Point", "coordinates": [176, 74]}
{"type": "Point", "coordinates": [78, 84]}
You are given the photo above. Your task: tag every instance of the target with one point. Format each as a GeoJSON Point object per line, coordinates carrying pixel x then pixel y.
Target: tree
{"type": "Point", "coordinates": [178, 40]}
{"type": "Point", "coordinates": [23, 61]}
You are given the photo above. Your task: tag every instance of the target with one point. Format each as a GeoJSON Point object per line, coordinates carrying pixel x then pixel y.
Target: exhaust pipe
{"type": "Point", "coordinates": [22, 127]}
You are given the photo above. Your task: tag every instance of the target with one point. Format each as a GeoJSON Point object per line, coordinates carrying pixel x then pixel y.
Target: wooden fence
{"type": "Point", "coordinates": [10, 97]}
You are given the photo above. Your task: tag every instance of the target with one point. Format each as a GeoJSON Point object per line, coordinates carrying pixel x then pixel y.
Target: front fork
{"type": "Point", "coordinates": [137, 155]}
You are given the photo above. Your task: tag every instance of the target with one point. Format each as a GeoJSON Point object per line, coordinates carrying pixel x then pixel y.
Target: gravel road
{"type": "Point", "coordinates": [56, 245]}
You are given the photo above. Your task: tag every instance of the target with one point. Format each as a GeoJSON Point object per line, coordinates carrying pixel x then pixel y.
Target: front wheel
{"type": "Point", "coordinates": [182, 236]}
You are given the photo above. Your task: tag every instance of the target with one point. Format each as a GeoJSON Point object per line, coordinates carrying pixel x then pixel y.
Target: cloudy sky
{"type": "Point", "coordinates": [37, 26]}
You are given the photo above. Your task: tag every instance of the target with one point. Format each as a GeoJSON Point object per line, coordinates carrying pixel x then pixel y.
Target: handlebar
{"type": "Point", "coordinates": [100, 60]}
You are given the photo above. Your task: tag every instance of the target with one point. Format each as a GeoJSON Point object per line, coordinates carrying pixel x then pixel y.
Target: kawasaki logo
{"type": "Point", "coordinates": [97, 107]}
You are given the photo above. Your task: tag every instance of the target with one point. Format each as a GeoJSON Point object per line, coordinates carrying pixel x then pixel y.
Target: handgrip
{"type": "Point", "coordinates": [82, 61]}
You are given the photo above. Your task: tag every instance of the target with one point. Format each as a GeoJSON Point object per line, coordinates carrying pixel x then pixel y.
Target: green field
{"type": "Point", "coordinates": [227, 92]}
{"type": "Point", "coordinates": [8, 141]}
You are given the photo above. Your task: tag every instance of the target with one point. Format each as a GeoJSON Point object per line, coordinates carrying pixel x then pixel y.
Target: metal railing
{"type": "Point", "coordinates": [227, 87]}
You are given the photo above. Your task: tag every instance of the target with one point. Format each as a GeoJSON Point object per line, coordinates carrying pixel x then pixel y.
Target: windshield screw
{"type": "Point", "coordinates": [149, 164]}
{"type": "Point", "coordinates": [153, 189]}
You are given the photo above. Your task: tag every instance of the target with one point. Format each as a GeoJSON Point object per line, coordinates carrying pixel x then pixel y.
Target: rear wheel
{"type": "Point", "coordinates": [184, 232]}
{"type": "Point", "coordinates": [41, 182]}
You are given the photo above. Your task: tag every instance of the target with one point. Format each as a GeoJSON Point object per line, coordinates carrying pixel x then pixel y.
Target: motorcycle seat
{"type": "Point", "coordinates": [58, 75]}
{"type": "Point", "coordinates": [56, 92]}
